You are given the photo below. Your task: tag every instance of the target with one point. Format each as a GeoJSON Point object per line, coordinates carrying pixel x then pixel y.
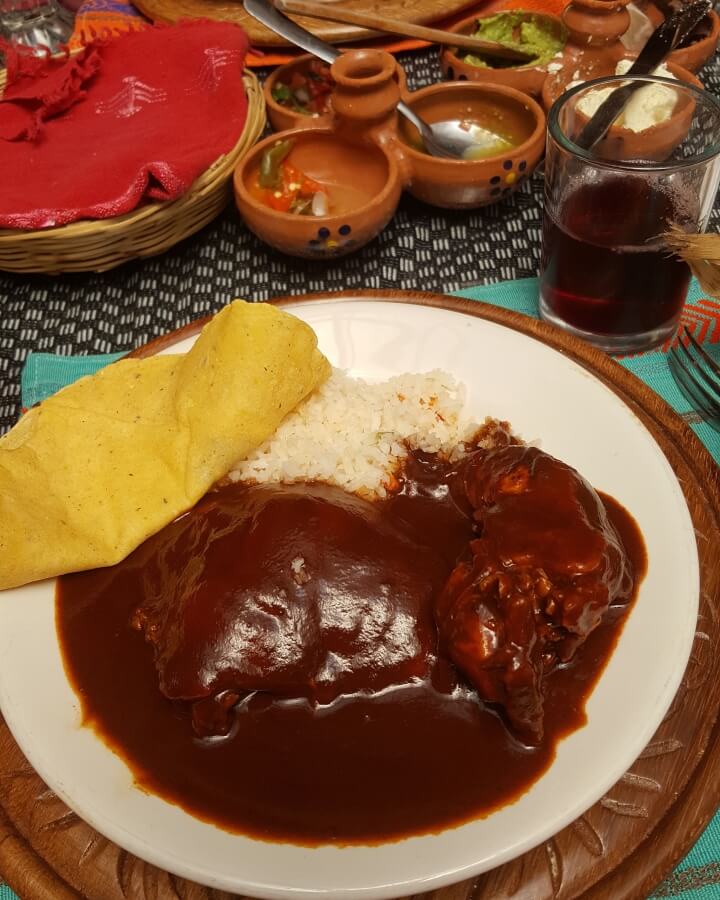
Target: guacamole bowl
{"type": "Point", "coordinates": [542, 34]}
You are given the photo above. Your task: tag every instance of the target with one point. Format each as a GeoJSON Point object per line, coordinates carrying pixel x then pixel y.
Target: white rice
{"type": "Point", "coordinates": [355, 433]}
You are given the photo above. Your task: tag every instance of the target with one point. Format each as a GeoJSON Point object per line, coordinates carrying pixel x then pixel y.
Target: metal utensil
{"type": "Point", "coordinates": [334, 13]}
{"type": "Point", "coordinates": [698, 377]}
{"type": "Point", "coordinates": [666, 37]}
{"type": "Point", "coordinates": [448, 140]}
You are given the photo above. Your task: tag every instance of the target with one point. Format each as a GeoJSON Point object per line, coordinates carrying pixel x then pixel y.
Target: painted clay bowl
{"type": "Point", "coordinates": [364, 178]}
{"type": "Point", "coordinates": [460, 184]}
{"type": "Point", "coordinates": [281, 118]}
{"type": "Point", "coordinates": [526, 78]}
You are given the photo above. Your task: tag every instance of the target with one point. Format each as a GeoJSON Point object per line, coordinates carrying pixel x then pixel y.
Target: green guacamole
{"type": "Point", "coordinates": [522, 31]}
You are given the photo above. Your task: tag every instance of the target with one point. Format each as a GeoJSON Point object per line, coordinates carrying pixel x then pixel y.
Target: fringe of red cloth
{"type": "Point", "coordinates": [41, 87]}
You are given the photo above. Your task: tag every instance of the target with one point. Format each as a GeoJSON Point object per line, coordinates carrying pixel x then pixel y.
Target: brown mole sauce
{"type": "Point", "coordinates": [414, 758]}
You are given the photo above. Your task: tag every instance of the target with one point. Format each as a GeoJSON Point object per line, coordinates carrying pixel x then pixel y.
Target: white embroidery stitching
{"type": "Point", "coordinates": [131, 98]}
{"type": "Point", "coordinates": [215, 60]}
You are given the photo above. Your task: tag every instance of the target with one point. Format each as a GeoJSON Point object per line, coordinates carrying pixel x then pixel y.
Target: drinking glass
{"type": "Point", "coordinates": [606, 274]}
{"type": "Point", "coordinates": [40, 24]}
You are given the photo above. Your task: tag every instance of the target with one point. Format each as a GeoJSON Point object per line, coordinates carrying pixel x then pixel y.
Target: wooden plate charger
{"type": "Point", "coordinates": [621, 848]}
{"type": "Point", "coordinates": [96, 245]}
{"type": "Point", "coordinates": [418, 12]}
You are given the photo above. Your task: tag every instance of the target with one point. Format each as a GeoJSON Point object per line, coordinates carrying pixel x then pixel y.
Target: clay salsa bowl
{"type": "Point", "coordinates": [527, 78]}
{"type": "Point", "coordinates": [655, 143]}
{"type": "Point", "coordinates": [364, 179]}
{"type": "Point", "coordinates": [466, 184]}
{"type": "Point", "coordinates": [281, 117]}
{"type": "Point", "coordinates": [701, 45]}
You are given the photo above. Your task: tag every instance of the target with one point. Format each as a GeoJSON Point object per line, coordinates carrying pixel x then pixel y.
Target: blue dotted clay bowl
{"type": "Point", "coordinates": [517, 120]}
{"type": "Point", "coordinates": [362, 187]}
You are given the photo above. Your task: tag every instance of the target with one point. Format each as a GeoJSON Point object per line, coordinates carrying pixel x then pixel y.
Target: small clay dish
{"type": "Point", "coordinates": [467, 184]}
{"type": "Point", "coordinates": [526, 78]}
{"type": "Point", "coordinates": [702, 44]}
{"type": "Point", "coordinates": [282, 118]}
{"type": "Point", "coordinates": [556, 85]}
{"type": "Point", "coordinates": [653, 144]}
{"type": "Point", "coordinates": [364, 188]}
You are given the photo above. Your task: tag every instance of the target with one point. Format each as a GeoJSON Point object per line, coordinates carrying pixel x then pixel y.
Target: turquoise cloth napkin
{"type": "Point", "coordinates": [698, 875]}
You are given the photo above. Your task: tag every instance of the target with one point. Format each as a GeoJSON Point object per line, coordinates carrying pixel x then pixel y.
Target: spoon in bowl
{"type": "Point", "coordinates": [448, 140]}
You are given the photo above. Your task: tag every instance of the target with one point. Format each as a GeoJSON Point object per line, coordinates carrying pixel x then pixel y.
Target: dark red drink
{"type": "Point", "coordinates": [604, 270]}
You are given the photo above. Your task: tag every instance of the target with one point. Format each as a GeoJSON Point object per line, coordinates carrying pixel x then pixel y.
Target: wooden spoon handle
{"type": "Point", "coordinates": [331, 12]}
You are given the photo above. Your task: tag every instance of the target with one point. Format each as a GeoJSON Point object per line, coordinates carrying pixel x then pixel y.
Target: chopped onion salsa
{"type": "Point", "coordinates": [285, 188]}
{"type": "Point", "coordinates": [307, 92]}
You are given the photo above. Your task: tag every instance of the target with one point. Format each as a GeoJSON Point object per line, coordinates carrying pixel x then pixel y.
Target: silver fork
{"type": "Point", "coordinates": [698, 377]}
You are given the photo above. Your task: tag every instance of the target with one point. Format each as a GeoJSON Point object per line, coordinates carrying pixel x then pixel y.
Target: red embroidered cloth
{"type": "Point", "coordinates": [133, 119]}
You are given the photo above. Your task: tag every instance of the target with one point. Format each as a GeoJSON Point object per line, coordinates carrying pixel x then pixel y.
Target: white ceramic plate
{"type": "Point", "coordinates": [545, 396]}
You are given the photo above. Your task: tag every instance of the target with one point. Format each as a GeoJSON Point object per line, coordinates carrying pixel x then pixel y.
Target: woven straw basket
{"type": "Point", "coordinates": [95, 245]}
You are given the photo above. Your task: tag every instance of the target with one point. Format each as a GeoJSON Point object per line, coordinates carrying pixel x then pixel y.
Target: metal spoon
{"type": "Point", "coordinates": [449, 140]}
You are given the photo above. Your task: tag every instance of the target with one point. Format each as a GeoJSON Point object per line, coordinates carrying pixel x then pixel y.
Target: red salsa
{"type": "Point", "coordinates": [307, 92]}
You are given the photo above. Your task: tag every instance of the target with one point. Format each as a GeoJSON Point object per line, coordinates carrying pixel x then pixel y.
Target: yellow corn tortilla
{"type": "Point", "coordinates": [108, 461]}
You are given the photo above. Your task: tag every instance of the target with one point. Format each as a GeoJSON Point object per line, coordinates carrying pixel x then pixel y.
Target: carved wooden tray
{"type": "Point", "coordinates": [619, 849]}
{"type": "Point", "coordinates": [420, 12]}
